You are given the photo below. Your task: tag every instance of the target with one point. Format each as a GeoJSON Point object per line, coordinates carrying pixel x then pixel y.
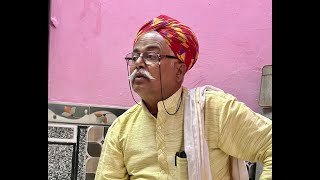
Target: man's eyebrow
{"type": "Point", "coordinates": [148, 48]}
{"type": "Point", "coordinates": [152, 48]}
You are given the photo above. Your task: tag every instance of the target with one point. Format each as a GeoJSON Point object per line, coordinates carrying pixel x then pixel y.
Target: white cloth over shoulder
{"type": "Point", "coordinates": [195, 144]}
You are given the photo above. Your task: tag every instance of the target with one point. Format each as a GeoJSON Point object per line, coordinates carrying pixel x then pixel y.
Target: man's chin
{"type": "Point", "coordinates": [140, 89]}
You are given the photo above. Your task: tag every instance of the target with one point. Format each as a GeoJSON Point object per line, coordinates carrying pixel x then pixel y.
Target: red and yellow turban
{"type": "Point", "coordinates": [178, 36]}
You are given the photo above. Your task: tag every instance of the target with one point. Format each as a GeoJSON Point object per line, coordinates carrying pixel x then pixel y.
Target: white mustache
{"type": "Point", "coordinates": [143, 72]}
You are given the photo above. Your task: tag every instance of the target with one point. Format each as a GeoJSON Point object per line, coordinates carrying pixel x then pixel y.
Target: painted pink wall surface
{"type": "Point", "coordinates": [89, 39]}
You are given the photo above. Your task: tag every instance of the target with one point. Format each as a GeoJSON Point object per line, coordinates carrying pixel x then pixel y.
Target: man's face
{"type": "Point", "coordinates": [145, 87]}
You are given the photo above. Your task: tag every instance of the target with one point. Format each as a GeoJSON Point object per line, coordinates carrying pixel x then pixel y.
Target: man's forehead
{"type": "Point", "coordinates": [150, 41]}
{"type": "Point", "coordinates": [146, 47]}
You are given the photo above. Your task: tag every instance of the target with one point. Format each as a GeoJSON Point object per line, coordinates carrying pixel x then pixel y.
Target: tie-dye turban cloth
{"type": "Point", "coordinates": [179, 37]}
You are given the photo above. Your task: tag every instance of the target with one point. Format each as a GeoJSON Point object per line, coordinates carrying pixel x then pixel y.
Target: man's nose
{"type": "Point", "coordinates": [140, 62]}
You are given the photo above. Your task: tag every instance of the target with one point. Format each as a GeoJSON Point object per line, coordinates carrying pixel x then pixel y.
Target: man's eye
{"type": "Point", "coordinates": [135, 57]}
{"type": "Point", "coordinates": [151, 56]}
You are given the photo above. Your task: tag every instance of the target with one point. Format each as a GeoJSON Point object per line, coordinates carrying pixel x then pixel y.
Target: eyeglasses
{"type": "Point", "coordinates": [149, 57]}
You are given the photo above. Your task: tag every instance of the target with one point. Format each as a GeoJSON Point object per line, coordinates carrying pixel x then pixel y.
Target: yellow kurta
{"type": "Point", "coordinates": [140, 146]}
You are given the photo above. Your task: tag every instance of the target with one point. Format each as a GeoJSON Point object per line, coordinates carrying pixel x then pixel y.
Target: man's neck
{"type": "Point", "coordinates": [152, 103]}
{"type": "Point", "coordinates": [152, 107]}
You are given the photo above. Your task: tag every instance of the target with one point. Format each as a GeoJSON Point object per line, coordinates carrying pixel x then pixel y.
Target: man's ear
{"type": "Point", "coordinates": [181, 71]}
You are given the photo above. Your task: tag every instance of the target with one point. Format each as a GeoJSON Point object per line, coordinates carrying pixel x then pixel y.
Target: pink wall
{"type": "Point", "coordinates": [90, 38]}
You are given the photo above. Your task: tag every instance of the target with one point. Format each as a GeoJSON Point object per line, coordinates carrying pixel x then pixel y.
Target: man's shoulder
{"type": "Point", "coordinates": [214, 93]}
{"type": "Point", "coordinates": [220, 94]}
{"type": "Point", "coordinates": [123, 119]}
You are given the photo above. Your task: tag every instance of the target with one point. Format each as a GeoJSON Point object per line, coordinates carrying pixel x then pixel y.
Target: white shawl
{"type": "Point", "coordinates": [195, 145]}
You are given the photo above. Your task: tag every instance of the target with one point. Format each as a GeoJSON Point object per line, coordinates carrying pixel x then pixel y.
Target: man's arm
{"type": "Point", "coordinates": [111, 165]}
{"type": "Point", "coordinates": [246, 135]}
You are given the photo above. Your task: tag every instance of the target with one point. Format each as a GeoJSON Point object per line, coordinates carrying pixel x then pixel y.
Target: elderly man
{"type": "Point", "coordinates": [157, 138]}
